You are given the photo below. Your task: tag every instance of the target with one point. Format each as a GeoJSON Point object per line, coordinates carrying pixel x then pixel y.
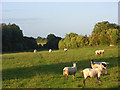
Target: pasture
{"type": "Point", "coordinates": [44, 69]}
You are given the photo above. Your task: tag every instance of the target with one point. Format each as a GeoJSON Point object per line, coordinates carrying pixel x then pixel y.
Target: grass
{"type": "Point", "coordinates": [44, 70]}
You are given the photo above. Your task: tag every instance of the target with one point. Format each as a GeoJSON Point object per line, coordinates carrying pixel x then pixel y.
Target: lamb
{"type": "Point", "coordinates": [97, 65]}
{"type": "Point", "coordinates": [89, 72]}
{"type": "Point", "coordinates": [112, 45]}
{"type": "Point", "coordinates": [65, 49]}
{"type": "Point", "coordinates": [70, 71]}
{"type": "Point", "coordinates": [50, 50]}
{"type": "Point", "coordinates": [99, 52]}
{"type": "Point", "coordinates": [35, 51]}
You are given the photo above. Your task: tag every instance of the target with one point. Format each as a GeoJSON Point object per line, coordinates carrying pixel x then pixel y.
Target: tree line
{"type": "Point", "coordinates": [104, 33]}
{"type": "Point", "coordinates": [13, 40]}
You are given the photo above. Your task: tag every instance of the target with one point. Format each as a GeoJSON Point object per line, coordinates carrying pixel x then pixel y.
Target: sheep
{"type": "Point", "coordinates": [70, 71]}
{"type": "Point", "coordinates": [35, 51]}
{"type": "Point", "coordinates": [112, 45]}
{"type": "Point", "coordinates": [99, 52]}
{"type": "Point", "coordinates": [65, 49]}
{"type": "Point", "coordinates": [50, 50]}
{"type": "Point", "coordinates": [97, 65]}
{"type": "Point", "coordinates": [89, 72]}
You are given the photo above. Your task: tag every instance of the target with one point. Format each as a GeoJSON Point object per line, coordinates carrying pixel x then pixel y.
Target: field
{"type": "Point", "coordinates": [44, 70]}
{"type": "Point", "coordinates": [42, 43]}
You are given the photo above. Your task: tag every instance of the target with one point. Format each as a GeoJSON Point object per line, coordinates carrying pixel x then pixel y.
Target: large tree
{"type": "Point", "coordinates": [104, 33]}
{"type": "Point", "coordinates": [52, 41]}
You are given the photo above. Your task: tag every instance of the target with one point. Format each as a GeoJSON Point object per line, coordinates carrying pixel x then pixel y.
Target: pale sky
{"type": "Point", "coordinates": [42, 18]}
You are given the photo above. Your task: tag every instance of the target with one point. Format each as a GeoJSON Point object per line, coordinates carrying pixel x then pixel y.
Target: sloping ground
{"type": "Point", "coordinates": [44, 69]}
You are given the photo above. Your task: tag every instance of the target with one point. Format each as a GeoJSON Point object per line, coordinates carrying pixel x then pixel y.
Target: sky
{"type": "Point", "coordinates": [59, 18]}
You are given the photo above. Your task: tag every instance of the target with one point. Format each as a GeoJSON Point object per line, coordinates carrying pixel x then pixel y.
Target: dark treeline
{"type": "Point", "coordinates": [13, 40]}
{"type": "Point", "coordinates": [104, 33]}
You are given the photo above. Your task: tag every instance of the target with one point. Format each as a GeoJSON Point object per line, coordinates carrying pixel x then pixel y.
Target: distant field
{"type": "Point", "coordinates": [42, 43]}
{"type": "Point", "coordinates": [44, 70]}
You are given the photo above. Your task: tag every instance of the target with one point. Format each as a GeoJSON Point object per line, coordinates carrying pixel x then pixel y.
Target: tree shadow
{"type": "Point", "coordinates": [28, 72]}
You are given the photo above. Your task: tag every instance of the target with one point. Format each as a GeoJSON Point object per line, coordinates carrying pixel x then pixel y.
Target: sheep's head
{"type": "Point", "coordinates": [91, 60]}
{"type": "Point", "coordinates": [74, 64]}
{"type": "Point", "coordinates": [102, 67]}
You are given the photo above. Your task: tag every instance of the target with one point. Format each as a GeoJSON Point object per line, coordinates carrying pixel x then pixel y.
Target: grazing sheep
{"type": "Point", "coordinates": [65, 49]}
{"type": "Point", "coordinates": [35, 51]}
{"type": "Point", "coordinates": [99, 52]}
{"type": "Point", "coordinates": [112, 45]}
{"type": "Point", "coordinates": [89, 72]}
{"type": "Point", "coordinates": [97, 65]}
{"type": "Point", "coordinates": [70, 71]}
{"type": "Point", "coordinates": [50, 50]}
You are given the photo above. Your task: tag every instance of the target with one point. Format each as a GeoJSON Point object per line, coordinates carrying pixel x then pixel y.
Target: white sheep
{"type": "Point", "coordinates": [50, 50]}
{"type": "Point", "coordinates": [89, 72]}
{"type": "Point", "coordinates": [70, 71]}
{"type": "Point", "coordinates": [65, 49]}
{"type": "Point", "coordinates": [35, 51]}
{"type": "Point", "coordinates": [97, 65]}
{"type": "Point", "coordinates": [112, 45]}
{"type": "Point", "coordinates": [99, 52]}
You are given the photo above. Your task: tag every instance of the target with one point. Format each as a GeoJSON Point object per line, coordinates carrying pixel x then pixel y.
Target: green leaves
{"type": "Point", "coordinates": [104, 33]}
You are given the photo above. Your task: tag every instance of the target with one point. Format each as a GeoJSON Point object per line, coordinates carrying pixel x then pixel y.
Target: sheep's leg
{"type": "Point", "coordinates": [84, 81]}
{"type": "Point", "coordinates": [105, 71]}
{"type": "Point", "coordinates": [102, 54]}
{"type": "Point", "coordinates": [73, 76]}
{"type": "Point", "coordinates": [67, 77]}
{"type": "Point", "coordinates": [99, 79]}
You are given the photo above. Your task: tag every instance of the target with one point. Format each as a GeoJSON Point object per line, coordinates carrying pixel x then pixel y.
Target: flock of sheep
{"type": "Point", "coordinates": [50, 50]}
{"type": "Point", "coordinates": [95, 71]}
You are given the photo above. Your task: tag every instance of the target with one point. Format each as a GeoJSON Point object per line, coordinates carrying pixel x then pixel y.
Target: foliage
{"type": "Point", "coordinates": [73, 40]}
{"type": "Point", "coordinates": [41, 40]}
{"type": "Point", "coordinates": [104, 33]}
{"type": "Point", "coordinates": [13, 39]}
{"type": "Point", "coordinates": [52, 41]}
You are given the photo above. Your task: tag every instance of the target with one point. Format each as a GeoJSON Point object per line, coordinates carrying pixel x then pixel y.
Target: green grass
{"type": "Point", "coordinates": [44, 70]}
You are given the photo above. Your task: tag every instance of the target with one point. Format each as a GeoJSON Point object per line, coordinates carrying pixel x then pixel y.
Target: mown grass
{"type": "Point", "coordinates": [44, 70]}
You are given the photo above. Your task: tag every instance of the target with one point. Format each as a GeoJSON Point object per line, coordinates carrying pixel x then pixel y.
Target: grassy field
{"type": "Point", "coordinates": [42, 43]}
{"type": "Point", "coordinates": [44, 70]}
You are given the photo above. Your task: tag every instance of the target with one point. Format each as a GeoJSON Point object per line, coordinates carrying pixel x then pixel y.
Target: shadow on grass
{"type": "Point", "coordinates": [28, 72]}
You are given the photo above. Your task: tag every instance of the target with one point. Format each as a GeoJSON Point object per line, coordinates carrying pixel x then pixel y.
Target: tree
{"type": "Point", "coordinates": [52, 41]}
{"type": "Point", "coordinates": [103, 38]}
{"type": "Point", "coordinates": [104, 34]}
{"type": "Point", "coordinates": [61, 44]}
{"type": "Point", "coordinates": [73, 42]}
{"type": "Point", "coordinates": [13, 39]}
{"type": "Point", "coordinates": [114, 36]}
